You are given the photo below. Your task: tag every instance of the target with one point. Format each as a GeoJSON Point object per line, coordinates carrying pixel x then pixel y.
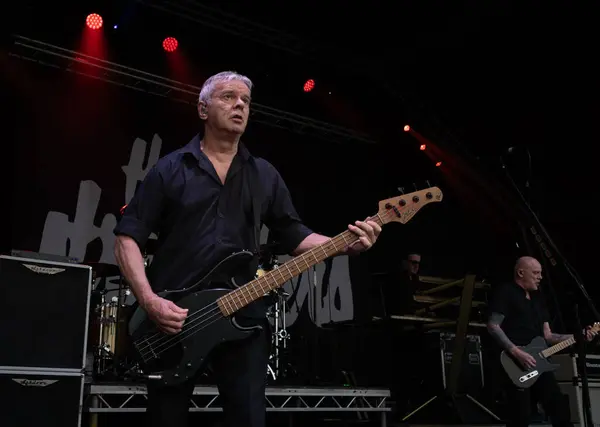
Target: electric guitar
{"type": "Point", "coordinates": [525, 378]}
{"type": "Point", "coordinates": [211, 321]}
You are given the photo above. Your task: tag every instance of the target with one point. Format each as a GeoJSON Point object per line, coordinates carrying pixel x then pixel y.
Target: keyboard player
{"type": "Point", "coordinates": [397, 292]}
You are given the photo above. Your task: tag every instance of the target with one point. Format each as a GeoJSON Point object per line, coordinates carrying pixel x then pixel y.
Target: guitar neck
{"type": "Point", "coordinates": [257, 288]}
{"type": "Point", "coordinates": [558, 347]}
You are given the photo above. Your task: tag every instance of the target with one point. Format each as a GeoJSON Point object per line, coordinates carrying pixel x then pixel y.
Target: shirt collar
{"type": "Point", "coordinates": [193, 148]}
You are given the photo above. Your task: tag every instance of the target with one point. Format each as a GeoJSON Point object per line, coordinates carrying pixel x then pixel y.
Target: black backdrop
{"type": "Point", "coordinates": [72, 133]}
{"type": "Point", "coordinates": [68, 129]}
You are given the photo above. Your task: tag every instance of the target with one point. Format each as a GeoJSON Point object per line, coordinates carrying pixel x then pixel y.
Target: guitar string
{"type": "Point", "coordinates": [186, 332]}
{"type": "Point", "coordinates": [192, 324]}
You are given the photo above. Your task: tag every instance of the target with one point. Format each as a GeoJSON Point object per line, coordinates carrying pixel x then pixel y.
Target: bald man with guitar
{"type": "Point", "coordinates": [519, 323]}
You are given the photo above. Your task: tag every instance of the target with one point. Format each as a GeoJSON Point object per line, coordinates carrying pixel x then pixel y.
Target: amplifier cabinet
{"type": "Point", "coordinates": [575, 394]}
{"type": "Point", "coordinates": [41, 398]}
{"type": "Point", "coordinates": [44, 313]}
{"type": "Point", "coordinates": [440, 348]}
{"type": "Point", "coordinates": [569, 367]}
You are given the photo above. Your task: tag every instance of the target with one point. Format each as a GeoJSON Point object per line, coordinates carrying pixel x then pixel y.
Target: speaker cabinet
{"type": "Point", "coordinates": [41, 398]}
{"type": "Point", "coordinates": [575, 394]}
{"type": "Point", "coordinates": [44, 312]}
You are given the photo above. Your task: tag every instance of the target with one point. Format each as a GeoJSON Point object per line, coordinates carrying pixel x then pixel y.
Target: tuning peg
{"type": "Point", "coordinates": [428, 184]}
{"type": "Point", "coordinates": [401, 190]}
{"type": "Point", "coordinates": [415, 185]}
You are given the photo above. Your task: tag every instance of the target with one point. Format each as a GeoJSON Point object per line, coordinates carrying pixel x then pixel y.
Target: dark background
{"type": "Point", "coordinates": [472, 79]}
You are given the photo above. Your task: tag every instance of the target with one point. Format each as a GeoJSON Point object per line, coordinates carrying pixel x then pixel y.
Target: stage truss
{"type": "Point", "coordinates": [103, 398]}
{"type": "Point", "coordinates": [76, 62]}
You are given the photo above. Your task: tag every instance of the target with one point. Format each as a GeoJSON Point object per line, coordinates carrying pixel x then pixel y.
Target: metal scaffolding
{"type": "Point", "coordinates": [119, 398]}
{"type": "Point", "coordinates": [76, 62]}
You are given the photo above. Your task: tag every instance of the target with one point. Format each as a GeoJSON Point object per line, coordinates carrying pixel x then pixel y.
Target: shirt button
{"type": "Point", "coordinates": [219, 240]}
{"type": "Point", "coordinates": [220, 214]}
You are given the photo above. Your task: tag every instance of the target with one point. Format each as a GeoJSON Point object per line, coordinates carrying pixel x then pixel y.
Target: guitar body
{"type": "Point", "coordinates": [173, 359]}
{"type": "Point", "coordinates": [525, 378]}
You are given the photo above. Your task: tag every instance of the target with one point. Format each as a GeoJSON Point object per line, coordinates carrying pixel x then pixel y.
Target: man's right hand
{"type": "Point", "coordinates": [526, 360]}
{"type": "Point", "coordinates": [167, 316]}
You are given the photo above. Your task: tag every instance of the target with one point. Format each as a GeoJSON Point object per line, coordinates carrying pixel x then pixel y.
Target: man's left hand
{"type": "Point", "coordinates": [367, 232]}
{"type": "Point", "coordinates": [589, 335]}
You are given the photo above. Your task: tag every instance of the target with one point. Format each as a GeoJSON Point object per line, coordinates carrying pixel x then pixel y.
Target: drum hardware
{"type": "Point", "coordinates": [280, 334]}
{"type": "Point", "coordinates": [108, 323]}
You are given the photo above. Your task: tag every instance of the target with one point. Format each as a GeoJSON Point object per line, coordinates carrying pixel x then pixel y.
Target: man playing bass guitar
{"type": "Point", "coordinates": [206, 201]}
{"type": "Point", "coordinates": [518, 315]}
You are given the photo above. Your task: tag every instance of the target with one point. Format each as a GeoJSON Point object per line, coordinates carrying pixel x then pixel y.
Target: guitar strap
{"type": "Point", "coordinates": [256, 194]}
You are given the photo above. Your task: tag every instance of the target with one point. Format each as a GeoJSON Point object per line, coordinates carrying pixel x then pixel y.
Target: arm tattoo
{"type": "Point", "coordinates": [496, 318]}
{"type": "Point", "coordinates": [496, 331]}
{"type": "Point", "coordinates": [556, 338]}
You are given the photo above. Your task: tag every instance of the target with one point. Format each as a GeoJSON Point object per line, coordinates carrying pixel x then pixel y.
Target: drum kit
{"type": "Point", "coordinates": [108, 348]}
{"type": "Point", "coordinates": [109, 356]}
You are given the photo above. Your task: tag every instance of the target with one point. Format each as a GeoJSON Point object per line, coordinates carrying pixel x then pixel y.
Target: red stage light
{"type": "Point", "coordinates": [406, 128]}
{"type": "Point", "coordinates": [438, 164]}
{"type": "Point", "coordinates": [94, 21]}
{"type": "Point", "coordinates": [309, 85]}
{"type": "Point", "coordinates": [422, 147]}
{"type": "Point", "coordinates": [170, 44]}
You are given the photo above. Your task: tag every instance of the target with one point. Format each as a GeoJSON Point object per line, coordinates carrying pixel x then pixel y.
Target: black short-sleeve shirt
{"type": "Point", "coordinates": [200, 221]}
{"type": "Point", "coordinates": [523, 318]}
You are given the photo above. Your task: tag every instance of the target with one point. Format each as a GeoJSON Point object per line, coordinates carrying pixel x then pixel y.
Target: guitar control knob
{"type": "Point", "coordinates": [188, 365]}
{"type": "Point", "coordinates": [415, 199]}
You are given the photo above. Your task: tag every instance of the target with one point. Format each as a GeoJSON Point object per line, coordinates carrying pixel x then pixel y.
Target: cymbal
{"type": "Point", "coordinates": [103, 269]}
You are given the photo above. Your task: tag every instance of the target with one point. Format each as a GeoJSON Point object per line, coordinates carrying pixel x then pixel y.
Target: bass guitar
{"type": "Point", "coordinates": [525, 378]}
{"type": "Point", "coordinates": [172, 359]}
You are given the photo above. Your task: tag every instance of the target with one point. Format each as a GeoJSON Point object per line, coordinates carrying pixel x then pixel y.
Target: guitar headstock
{"type": "Point", "coordinates": [403, 208]}
{"type": "Point", "coordinates": [595, 328]}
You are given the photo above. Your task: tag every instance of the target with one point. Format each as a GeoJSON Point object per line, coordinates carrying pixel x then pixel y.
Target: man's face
{"type": "Point", "coordinates": [229, 107]}
{"type": "Point", "coordinates": [413, 262]}
{"type": "Point", "coordinates": [531, 275]}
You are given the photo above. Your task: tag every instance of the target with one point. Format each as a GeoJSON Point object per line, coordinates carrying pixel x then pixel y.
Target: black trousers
{"type": "Point", "coordinates": [240, 370]}
{"type": "Point", "coordinates": [546, 390]}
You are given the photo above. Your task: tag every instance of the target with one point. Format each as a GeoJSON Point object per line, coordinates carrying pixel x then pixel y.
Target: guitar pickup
{"type": "Point", "coordinates": [529, 376]}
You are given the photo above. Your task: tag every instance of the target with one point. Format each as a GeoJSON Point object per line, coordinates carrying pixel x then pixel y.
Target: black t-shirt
{"type": "Point", "coordinates": [523, 318]}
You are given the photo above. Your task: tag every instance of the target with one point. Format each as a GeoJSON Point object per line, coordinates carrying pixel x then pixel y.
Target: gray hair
{"type": "Point", "coordinates": [225, 76]}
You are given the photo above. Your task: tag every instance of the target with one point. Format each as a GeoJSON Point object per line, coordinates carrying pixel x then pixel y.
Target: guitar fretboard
{"type": "Point", "coordinates": [275, 278]}
{"type": "Point", "coordinates": [558, 347]}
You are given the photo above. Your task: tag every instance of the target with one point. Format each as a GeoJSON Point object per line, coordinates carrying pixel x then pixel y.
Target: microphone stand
{"type": "Point", "coordinates": [576, 279]}
{"type": "Point", "coordinates": [580, 339]}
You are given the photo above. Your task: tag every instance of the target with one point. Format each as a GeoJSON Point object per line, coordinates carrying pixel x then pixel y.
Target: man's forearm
{"type": "Point", "coordinates": [497, 333]}
{"type": "Point", "coordinates": [556, 338]}
{"type": "Point", "coordinates": [310, 242]}
{"type": "Point", "coordinates": [315, 239]}
{"type": "Point", "coordinates": [130, 260]}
